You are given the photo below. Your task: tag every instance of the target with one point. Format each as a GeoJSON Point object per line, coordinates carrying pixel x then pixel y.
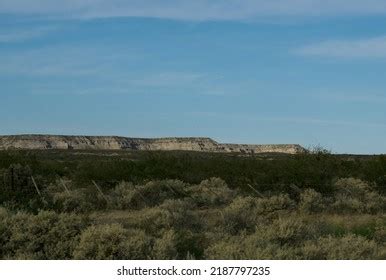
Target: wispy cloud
{"type": "Point", "coordinates": [21, 35]}
{"type": "Point", "coordinates": [358, 98]}
{"type": "Point", "coordinates": [302, 120]}
{"type": "Point", "coordinates": [192, 10]}
{"type": "Point", "coordinates": [99, 70]}
{"type": "Point", "coordinates": [324, 122]}
{"type": "Point", "coordinates": [167, 79]}
{"type": "Point", "coordinates": [362, 48]}
{"type": "Point", "coordinates": [67, 60]}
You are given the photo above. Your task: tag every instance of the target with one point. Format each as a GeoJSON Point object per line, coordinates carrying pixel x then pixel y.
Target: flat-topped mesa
{"type": "Point", "coordinates": [57, 142]}
{"type": "Point", "coordinates": [268, 148]}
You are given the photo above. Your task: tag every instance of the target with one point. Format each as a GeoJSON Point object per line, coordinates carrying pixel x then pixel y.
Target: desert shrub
{"type": "Point", "coordinates": [248, 247]}
{"type": "Point", "coordinates": [274, 203]}
{"type": "Point", "coordinates": [182, 244]}
{"type": "Point", "coordinates": [352, 186]}
{"type": "Point", "coordinates": [240, 215]}
{"type": "Point", "coordinates": [47, 235]}
{"type": "Point", "coordinates": [125, 196]}
{"type": "Point", "coordinates": [128, 196]}
{"type": "Point", "coordinates": [288, 230]}
{"type": "Point", "coordinates": [270, 251]}
{"type": "Point", "coordinates": [181, 214]}
{"type": "Point", "coordinates": [348, 247]}
{"type": "Point", "coordinates": [191, 244]}
{"type": "Point", "coordinates": [244, 213]}
{"type": "Point", "coordinates": [3, 213]}
{"type": "Point", "coordinates": [152, 220]}
{"type": "Point", "coordinates": [212, 192]}
{"type": "Point", "coordinates": [113, 242]}
{"type": "Point", "coordinates": [277, 240]}
{"type": "Point", "coordinates": [76, 201]}
{"type": "Point", "coordinates": [311, 201]}
{"type": "Point", "coordinates": [364, 225]}
{"type": "Point", "coordinates": [172, 214]}
{"type": "Point", "coordinates": [355, 196]}
{"type": "Point", "coordinates": [159, 191]}
{"type": "Point", "coordinates": [4, 231]}
{"type": "Point", "coordinates": [380, 233]}
{"type": "Point", "coordinates": [292, 240]}
{"type": "Point", "coordinates": [374, 203]}
{"type": "Point", "coordinates": [165, 247]}
{"type": "Point", "coordinates": [226, 248]}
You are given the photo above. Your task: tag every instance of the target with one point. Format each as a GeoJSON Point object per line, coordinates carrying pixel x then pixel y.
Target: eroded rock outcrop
{"type": "Point", "coordinates": [46, 142]}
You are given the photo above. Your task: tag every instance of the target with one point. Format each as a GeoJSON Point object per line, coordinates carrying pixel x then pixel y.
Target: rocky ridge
{"type": "Point", "coordinates": [48, 142]}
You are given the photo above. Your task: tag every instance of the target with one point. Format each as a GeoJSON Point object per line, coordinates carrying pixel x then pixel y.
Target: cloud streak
{"type": "Point", "coordinates": [67, 61]}
{"type": "Point", "coordinates": [197, 10]}
{"type": "Point", "coordinates": [362, 48]}
{"type": "Point", "coordinates": [21, 35]}
{"type": "Point", "coordinates": [291, 120]}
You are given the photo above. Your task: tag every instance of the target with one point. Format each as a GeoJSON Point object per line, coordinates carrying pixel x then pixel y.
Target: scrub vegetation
{"type": "Point", "coordinates": [178, 205]}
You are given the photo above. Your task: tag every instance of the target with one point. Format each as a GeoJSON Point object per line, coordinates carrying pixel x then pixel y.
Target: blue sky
{"type": "Point", "coordinates": [288, 71]}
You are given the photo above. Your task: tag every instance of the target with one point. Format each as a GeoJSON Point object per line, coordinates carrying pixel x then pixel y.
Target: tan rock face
{"type": "Point", "coordinates": [47, 142]}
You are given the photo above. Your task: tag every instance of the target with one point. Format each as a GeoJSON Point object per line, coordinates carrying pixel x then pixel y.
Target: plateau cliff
{"type": "Point", "coordinates": [47, 142]}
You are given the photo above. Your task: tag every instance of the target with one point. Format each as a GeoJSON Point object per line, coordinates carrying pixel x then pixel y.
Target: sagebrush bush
{"type": "Point", "coordinates": [226, 248]}
{"type": "Point", "coordinates": [76, 201]}
{"type": "Point", "coordinates": [172, 214]}
{"type": "Point", "coordinates": [248, 247]}
{"type": "Point", "coordinates": [274, 203]}
{"type": "Point", "coordinates": [311, 201]}
{"type": "Point", "coordinates": [240, 215]}
{"type": "Point", "coordinates": [156, 192]}
{"type": "Point", "coordinates": [113, 242]}
{"type": "Point", "coordinates": [212, 192]}
{"type": "Point", "coordinates": [355, 196]}
{"type": "Point", "coordinates": [168, 219]}
{"type": "Point", "coordinates": [3, 213]}
{"type": "Point", "coordinates": [130, 196]}
{"type": "Point", "coordinates": [244, 213]}
{"type": "Point", "coordinates": [4, 231]}
{"type": "Point", "coordinates": [165, 247]}
{"type": "Point", "coordinates": [286, 230]}
{"type": "Point", "coordinates": [348, 247]}
{"type": "Point", "coordinates": [125, 196]}
{"type": "Point", "coordinates": [47, 235]}
{"type": "Point", "coordinates": [181, 214]}
{"type": "Point", "coordinates": [380, 232]}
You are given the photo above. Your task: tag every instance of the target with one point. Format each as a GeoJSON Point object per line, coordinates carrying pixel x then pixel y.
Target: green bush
{"type": "Point", "coordinates": [274, 203]}
{"type": "Point", "coordinates": [241, 215]}
{"type": "Point", "coordinates": [47, 235]}
{"type": "Point", "coordinates": [244, 213]}
{"type": "Point", "coordinates": [165, 247]}
{"type": "Point", "coordinates": [182, 244]}
{"type": "Point", "coordinates": [249, 247]}
{"type": "Point", "coordinates": [226, 248]}
{"type": "Point", "coordinates": [211, 192]}
{"type": "Point", "coordinates": [287, 230]}
{"type": "Point", "coordinates": [181, 214]}
{"type": "Point", "coordinates": [113, 242]}
{"type": "Point", "coordinates": [4, 231]}
{"type": "Point", "coordinates": [311, 201]}
{"type": "Point", "coordinates": [125, 196]}
{"type": "Point", "coordinates": [349, 247]}
{"type": "Point", "coordinates": [172, 214]}
{"type": "Point", "coordinates": [129, 196]}
{"type": "Point", "coordinates": [76, 201]}
{"type": "Point", "coordinates": [355, 196]}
